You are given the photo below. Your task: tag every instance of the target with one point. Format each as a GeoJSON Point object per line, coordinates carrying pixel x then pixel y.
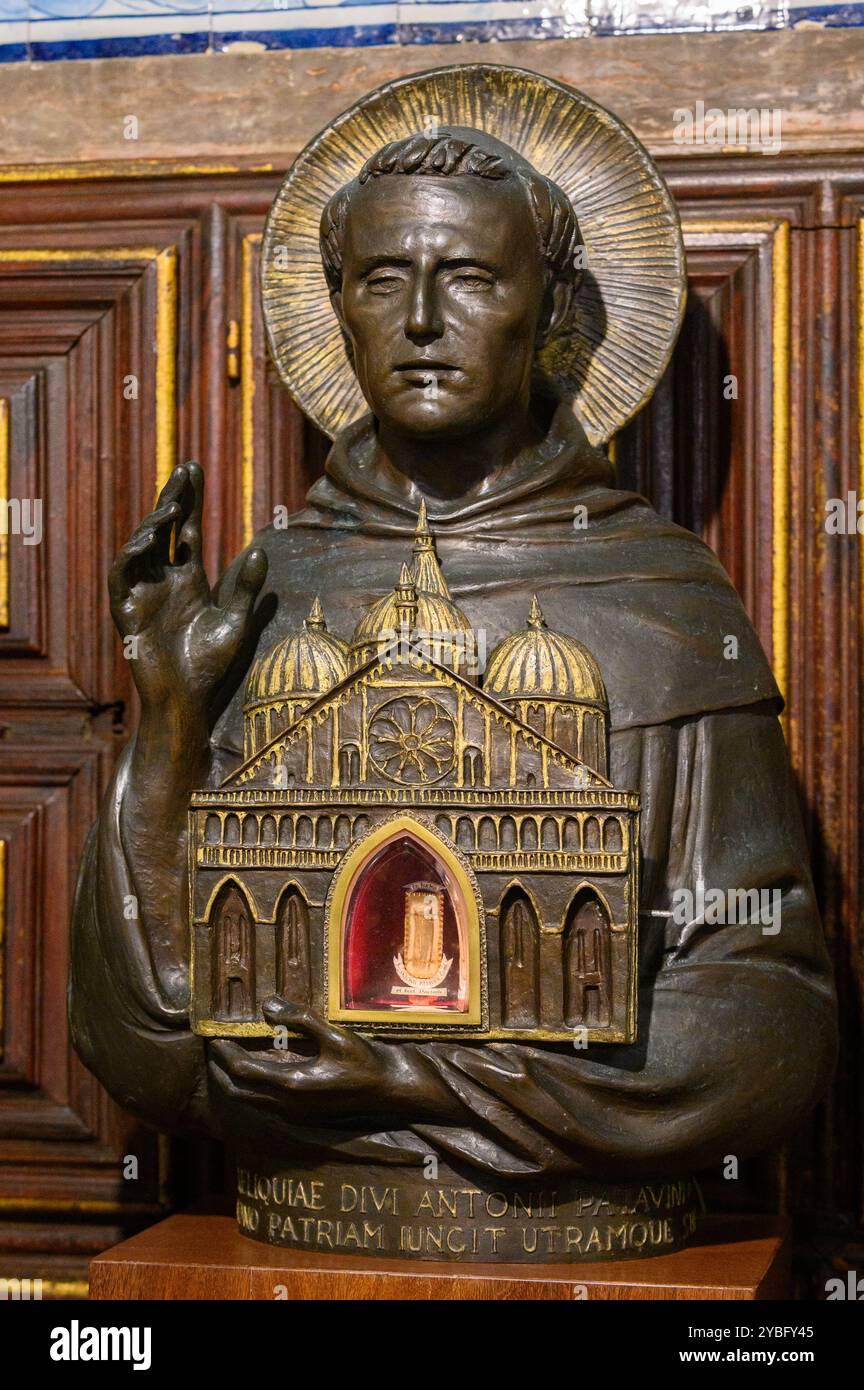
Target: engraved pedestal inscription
{"type": "Point", "coordinates": [451, 1218]}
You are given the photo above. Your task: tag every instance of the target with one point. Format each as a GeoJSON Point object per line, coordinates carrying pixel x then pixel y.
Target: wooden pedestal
{"type": "Point", "coordinates": [189, 1257]}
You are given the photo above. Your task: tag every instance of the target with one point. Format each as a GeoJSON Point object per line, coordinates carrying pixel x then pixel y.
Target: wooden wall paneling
{"type": "Point", "coordinates": [62, 1142]}
{"type": "Point", "coordinates": [22, 598]}
{"type": "Point", "coordinates": [278, 453]}
{"type": "Point", "coordinates": [823, 727]}
{"type": "Point", "coordinates": [74, 327]}
{"type": "Point", "coordinates": [710, 449]}
{"type": "Point", "coordinates": [215, 212]}
{"type": "Point", "coordinates": [77, 321]}
{"type": "Point", "coordinates": [829, 648]}
{"type": "Point", "coordinates": [171, 217]}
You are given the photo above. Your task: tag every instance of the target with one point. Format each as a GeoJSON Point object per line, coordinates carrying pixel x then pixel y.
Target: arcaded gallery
{"type": "Point", "coordinates": [431, 616]}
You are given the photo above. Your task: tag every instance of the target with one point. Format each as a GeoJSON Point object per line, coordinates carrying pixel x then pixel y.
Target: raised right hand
{"type": "Point", "coordinates": [184, 643]}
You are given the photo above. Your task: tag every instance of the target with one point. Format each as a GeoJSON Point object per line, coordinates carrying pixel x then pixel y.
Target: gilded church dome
{"type": "Point", "coordinates": [435, 617]}
{"type": "Point", "coordinates": [538, 663]}
{"type": "Point", "coordinates": [305, 663]}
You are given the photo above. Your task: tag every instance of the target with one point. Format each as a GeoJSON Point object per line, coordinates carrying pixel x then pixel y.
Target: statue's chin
{"type": "Point", "coordinates": [429, 421]}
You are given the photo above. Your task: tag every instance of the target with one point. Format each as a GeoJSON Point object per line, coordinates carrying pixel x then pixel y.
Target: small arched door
{"type": "Point", "coordinates": [587, 978]}
{"type": "Point", "coordinates": [233, 955]}
{"type": "Point", "coordinates": [292, 948]}
{"type": "Point", "coordinates": [519, 950]}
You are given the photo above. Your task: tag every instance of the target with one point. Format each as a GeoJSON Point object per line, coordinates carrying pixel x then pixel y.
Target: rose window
{"type": "Point", "coordinates": [411, 739]}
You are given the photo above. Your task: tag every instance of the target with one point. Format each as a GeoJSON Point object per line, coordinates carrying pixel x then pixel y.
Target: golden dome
{"type": "Point", "coordinates": [306, 664]}
{"type": "Point", "coordinates": [539, 663]}
{"type": "Point", "coordinates": [432, 610]}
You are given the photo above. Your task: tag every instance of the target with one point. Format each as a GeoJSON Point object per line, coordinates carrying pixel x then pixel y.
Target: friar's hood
{"type": "Point", "coordinates": [647, 598]}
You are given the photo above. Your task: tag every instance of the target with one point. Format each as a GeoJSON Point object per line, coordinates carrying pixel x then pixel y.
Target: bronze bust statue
{"type": "Point", "coordinates": [391, 887]}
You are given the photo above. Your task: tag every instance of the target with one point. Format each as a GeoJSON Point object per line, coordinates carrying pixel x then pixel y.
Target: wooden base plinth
{"type": "Point", "coordinates": [189, 1257]}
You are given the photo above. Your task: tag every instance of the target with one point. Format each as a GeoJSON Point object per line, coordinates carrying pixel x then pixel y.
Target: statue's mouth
{"type": "Point", "coordinates": [422, 372]}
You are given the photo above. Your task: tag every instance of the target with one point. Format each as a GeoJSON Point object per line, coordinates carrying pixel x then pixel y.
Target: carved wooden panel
{"type": "Point", "coordinates": [280, 453]}
{"type": "Point", "coordinates": [77, 332]}
{"type": "Point", "coordinates": [62, 1142]}
{"type": "Point", "coordinates": [711, 448]}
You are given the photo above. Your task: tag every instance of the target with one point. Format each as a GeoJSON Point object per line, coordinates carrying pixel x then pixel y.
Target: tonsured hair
{"type": "Point", "coordinates": [445, 156]}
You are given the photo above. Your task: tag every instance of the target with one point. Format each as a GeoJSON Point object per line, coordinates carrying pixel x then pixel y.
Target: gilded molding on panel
{"type": "Point", "coordinates": [94, 1208]}
{"type": "Point", "coordinates": [860, 324]}
{"type": "Point", "coordinates": [778, 231]}
{"type": "Point", "coordinates": [165, 258]}
{"type": "Point", "coordinates": [780, 333]}
{"type": "Point", "coordinates": [166, 364]}
{"type": "Point", "coordinates": [2, 942]}
{"type": "Point", "coordinates": [125, 169]}
{"type": "Point", "coordinates": [248, 292]}
{"type": "Point", "coordinates": [50, 1288]}
{"type": "Point", "coordinates": [65, 1288]}
{"type": "Point", "coordinates": [5, 578]}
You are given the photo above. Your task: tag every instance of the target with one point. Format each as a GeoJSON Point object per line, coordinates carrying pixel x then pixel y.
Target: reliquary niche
{"type": "Point", "coordinates": [414, 849]}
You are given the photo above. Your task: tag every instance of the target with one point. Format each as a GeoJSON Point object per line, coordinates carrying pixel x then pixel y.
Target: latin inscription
{"type": "Point", "coordinates": [440, 1221]}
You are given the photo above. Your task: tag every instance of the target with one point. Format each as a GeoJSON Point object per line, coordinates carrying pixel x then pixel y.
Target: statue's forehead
{"type": "Point", "coordinates": [452, 216]}
{"type": "Point", "coordinates": [475, 207]}
{"type": "Point", "coordinates": [389, 193]}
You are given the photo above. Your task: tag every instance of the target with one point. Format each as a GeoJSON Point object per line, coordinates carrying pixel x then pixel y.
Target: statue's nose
{"type": "Point", "coordinates": [423, 324]}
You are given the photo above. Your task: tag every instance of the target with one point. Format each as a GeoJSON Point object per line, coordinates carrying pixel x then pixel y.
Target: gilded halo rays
{"type": "Point", "coordinates": [614, 348]}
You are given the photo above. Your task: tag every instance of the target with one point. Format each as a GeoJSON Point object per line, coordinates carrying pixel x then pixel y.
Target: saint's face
{"type": "Point", "coordinates": [443, 289]}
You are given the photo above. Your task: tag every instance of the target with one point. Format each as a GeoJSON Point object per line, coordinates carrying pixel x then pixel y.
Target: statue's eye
{"type": "Point", "coordinates": [471, 280]}
{"type": "Point", "coordinates": [384, 282]}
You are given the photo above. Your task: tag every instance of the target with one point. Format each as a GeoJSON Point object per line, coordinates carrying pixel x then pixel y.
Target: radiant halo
{"type": "Point", "coordinates": [613, 350]}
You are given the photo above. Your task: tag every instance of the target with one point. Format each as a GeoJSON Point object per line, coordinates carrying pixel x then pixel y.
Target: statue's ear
{"type": "Point", "coordinates": [559, 298]}
{"type": "Point", "coordinates": [336, 303]}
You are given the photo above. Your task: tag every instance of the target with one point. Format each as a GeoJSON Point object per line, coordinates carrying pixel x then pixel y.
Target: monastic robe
{"type": "Point", "coordinates": [736, 1021]}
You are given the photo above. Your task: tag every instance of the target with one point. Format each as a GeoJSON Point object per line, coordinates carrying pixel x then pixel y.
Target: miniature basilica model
{"type": "Point", "coordinates": [414, 849]}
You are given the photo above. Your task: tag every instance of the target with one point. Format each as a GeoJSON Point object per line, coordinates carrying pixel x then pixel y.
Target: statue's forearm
{"type": "Point", "coordinates": [129, 1021]}
{"type": "Point", "coordinates": [170, 758]}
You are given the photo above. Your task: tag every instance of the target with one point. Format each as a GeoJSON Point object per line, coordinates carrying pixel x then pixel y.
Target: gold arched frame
{"type": "Point", "coordinates": [342, 886]}
{"type": "Point", "coordinates": [529, 894]}
{"type": "Point", "coordinates": [242, 888]}
{"type": "Point", "coordinates": [211, 1027]}
{"type": "Point", "coordinates": [287, 888]}
{"type": "Point", "coordinates": [587, 886]}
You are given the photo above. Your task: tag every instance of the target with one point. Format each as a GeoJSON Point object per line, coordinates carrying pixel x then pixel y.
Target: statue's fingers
{"type": "Point", "coordinates": [279, 1010]}
{"type": "Point", "coordinates": [327, 1035]}
{"type": "Point", "coordinates": [235, 1088]}
{"type": "Point", "coordinates": [263, 1076]}
{"type": "Point", "coordinates": [151, 537]}
{"type": "Point", "coordinates": [243, 1065]}
{"type": "Point", "coordinates": [148, 543]}
{"type": "Point", "coordinates": [175, 486]}
{"type": "Point", "coordinates": [247, 587]}
{"type": "Point", "coordinates": [162, 518]}
{"type": "Point", "coordinates": [119, 581]}
{"type": "Point", "coordinates": [278, 1104]}
{"type": "Point", "coordinates": [189, 540]}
